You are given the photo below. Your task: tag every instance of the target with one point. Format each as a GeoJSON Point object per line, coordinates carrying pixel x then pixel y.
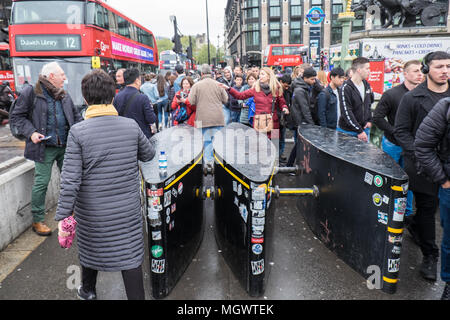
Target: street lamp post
{"type": "Point", "coordinates": [207, 31]}
{"type": "Point", "coordinates": [346, 18]}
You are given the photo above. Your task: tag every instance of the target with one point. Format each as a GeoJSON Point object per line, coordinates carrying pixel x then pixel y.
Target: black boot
{"type": "Point", "coordinates": [428, 269]}
{"type": "Point", "coordinates": [84, 295]}
{"type": "Point", "coordinates": [446, 293]}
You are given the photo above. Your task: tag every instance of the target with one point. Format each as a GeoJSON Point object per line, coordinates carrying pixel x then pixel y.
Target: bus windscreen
{"type": "Point", "coordinates": [42, 12]}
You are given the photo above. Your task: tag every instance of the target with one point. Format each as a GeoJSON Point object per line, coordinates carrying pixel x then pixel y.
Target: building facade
{"type": "Point", "coordinates": [251, 25]}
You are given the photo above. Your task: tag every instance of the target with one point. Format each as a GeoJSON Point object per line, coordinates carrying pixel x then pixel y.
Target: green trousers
{"type": "Point", "coordinates": [42, 176]}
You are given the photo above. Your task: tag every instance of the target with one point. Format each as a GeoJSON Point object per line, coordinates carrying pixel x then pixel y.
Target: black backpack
{"type": "Point", "coordinates": [15, 130]}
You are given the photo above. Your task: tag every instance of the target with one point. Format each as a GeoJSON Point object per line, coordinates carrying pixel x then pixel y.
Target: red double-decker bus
{"type": "Point", "coordinates": [6, 73]}
{"type": "Point", "coordinates": [284, 55]}
{"type": "Point", "coordinates": [80, 35]}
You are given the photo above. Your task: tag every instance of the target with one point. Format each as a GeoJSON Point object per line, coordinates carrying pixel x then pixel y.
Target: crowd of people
{"type": "Point", "coordinates": [124, 111]}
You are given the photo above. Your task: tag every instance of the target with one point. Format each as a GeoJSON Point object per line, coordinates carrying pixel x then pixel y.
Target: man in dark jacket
{"type": "Point", "coordinates": [357, 99]}
{"type": "Point", "coordinates": [387, 108]}
{"type": "Point", "coordinates": [328, 100]}
{"type": "Point", "coordinates": [433, 155]}
{"type": "Point", "coordinates": [301, 102]}
{"type": "Point", "coordinates": [286, 82]}
{"type": "Point", "coordinates": [413, 108]}
{"type": "Point", "coordinates": [131, 103]}
{"type": "Point", "coordinates": [52, 115]}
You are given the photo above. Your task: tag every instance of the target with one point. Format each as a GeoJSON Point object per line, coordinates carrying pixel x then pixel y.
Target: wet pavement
{"type": "Point", "coordinates": [302, 269]}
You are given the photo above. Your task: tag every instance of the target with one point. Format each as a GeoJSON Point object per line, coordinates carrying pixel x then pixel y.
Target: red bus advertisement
{"type": "Point", "coordinates": [79, 35]}
{"type": "Point", "coordinates": [284, 55]}
{"type": "Point", "coordinates": [6, 73]}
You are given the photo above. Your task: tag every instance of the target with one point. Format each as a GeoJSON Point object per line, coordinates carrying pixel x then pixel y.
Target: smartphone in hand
{"type": "Point", "coordinates": [46, 138]}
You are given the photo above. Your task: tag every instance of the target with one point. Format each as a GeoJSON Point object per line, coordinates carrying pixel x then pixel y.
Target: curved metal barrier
{"type": "Point", "coordinates": [175, 218]}
{"type": "Point", "coordinates": [243, 171]}
{"type": "Point", "coordinates": [359, 213]}
{"type": "Point", "coordinates": [352, 195]}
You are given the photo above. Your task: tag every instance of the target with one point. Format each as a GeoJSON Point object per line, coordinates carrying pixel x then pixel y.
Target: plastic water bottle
{"type": "Point", "coordinates": [163, 164]}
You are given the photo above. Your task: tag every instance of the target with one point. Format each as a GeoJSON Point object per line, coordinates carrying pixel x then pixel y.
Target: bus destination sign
{"type": "Point", "coordinates": [48, 42]}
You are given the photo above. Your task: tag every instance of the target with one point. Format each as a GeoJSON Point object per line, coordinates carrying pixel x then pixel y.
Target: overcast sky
{"type": "Point", "coordinates": [191, 16]}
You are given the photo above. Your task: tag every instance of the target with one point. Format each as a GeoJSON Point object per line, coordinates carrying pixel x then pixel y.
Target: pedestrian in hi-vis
{"type": "Point", "coordinates": [44, 115]}
{"type": "Point", "coordinates": [100, 187]}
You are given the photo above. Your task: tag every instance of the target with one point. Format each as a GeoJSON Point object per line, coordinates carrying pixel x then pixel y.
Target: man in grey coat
{"type": "Point", "coordinates": [100, 185]}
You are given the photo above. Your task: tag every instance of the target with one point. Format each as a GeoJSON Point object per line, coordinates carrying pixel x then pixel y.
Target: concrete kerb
{"type": "Point", "coordinates": [15, 198]}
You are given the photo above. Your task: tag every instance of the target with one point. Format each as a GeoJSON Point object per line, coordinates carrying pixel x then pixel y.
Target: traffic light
{"type": "Point", "coordinates": [189, 53]}
{"type": "Point", "coordinates": [177, 44]}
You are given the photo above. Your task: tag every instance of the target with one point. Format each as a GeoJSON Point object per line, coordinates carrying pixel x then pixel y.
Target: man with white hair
{"type": "Point", "coordinates": [44, 115]}
{"type": "Point", "coordinates": [209, 98]}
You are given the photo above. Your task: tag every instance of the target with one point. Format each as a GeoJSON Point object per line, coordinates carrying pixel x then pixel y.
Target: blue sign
{"type": "Point", "coordinates": [315, 15]}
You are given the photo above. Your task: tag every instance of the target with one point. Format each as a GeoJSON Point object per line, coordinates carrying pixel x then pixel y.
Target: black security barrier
{"type": "Point", "coordinates": [360, 211]}
{"type": "Point", "coordinates": [244, 206]}
{"type": "Point", "coordinates": [175, 218]}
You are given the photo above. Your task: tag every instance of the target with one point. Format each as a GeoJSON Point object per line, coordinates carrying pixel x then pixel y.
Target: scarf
{"type": "Point", "coordinates": [101, 110]}
{"type": "Point", "coordinates": [55, 93]}
{"type": "Point", "coordinates": [265, 88]}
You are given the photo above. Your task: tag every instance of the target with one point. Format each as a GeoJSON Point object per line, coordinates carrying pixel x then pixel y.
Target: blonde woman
{"type": "Point", "coordinates": [265, 90]}
{"type": "Point", "coordinates": [323, 78]}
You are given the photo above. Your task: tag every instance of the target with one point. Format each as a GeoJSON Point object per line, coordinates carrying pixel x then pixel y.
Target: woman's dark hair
{"type": "Point", "coordinates": [130, 76]}
{"type": "Point", "coordinates": [188, 79]}
{"type": "Point", "coordinates": [98, 88]}
{"type": "Point", "coordinates": [161, 83]}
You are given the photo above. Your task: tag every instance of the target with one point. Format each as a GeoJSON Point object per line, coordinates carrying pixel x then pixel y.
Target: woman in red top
{"type": "Point", "coordinates": [263, 91]}
{"type": "Point", "coordinates": [180, 100]}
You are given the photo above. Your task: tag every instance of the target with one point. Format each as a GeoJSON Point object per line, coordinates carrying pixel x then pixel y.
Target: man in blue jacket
{"type": "Point", "coordinates": [131, 103]}
{"type": "Point", "coordinates": [328, 100]}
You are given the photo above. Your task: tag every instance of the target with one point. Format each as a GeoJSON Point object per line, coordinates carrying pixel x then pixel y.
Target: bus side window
{"type": "Point", "coordinates": [112, 22]}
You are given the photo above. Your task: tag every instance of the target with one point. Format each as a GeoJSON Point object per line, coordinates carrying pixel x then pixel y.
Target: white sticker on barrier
{"type": "Point", "coordinates": [257, 267]}
{"type": "Point", "coordinates": [368, 178]}
{"type": "Point", "coordinates": [158, 266]}
{"type": "Point", "coordinates": [393, 265]}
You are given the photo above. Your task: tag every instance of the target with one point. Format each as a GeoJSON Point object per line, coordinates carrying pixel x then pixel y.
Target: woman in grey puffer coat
{"type": "Point", "coordinates": [100, 186]}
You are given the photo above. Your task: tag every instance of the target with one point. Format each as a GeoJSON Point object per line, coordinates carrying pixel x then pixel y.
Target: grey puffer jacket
{"type": "Point", "coordinates": [100, 184]}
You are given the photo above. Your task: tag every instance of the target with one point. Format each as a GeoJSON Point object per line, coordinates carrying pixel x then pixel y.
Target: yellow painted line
{"type": "Point", "coordinates": [184, 173]}
{"type": "Point", "coordinates": [397, 188]}
{"type": "Point", "coordinates": [398, 231]}
{"type": "Point", "coordinates": [389, 280]}
{"type": "Point", "coordinates": [293, 191]}
{"type": "Point", "coordinates": [270, 181]}
{"type": "Point", "coordinates": [298, 192]}
{"type": "Point", "coordinates": [232, 174]}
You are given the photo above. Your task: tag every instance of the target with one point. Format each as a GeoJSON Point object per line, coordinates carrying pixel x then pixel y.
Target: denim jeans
{"type": "Point", "coordinates": [208, 137]}
{"type": "Point", "coordinates": [161, 107]}
{"type": "Point", "coordinates": [282, 140]}
{"type": "Point", "coordinates": [355, 134]}
{"type": "Point", "coordinates": [235, 116]}
{"type": "Point", "coordinates": [227, 115]}
{"type": "Point", "coordinates": [395, 152]}
{"type": "Point", "coordinates": [444, 205]}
